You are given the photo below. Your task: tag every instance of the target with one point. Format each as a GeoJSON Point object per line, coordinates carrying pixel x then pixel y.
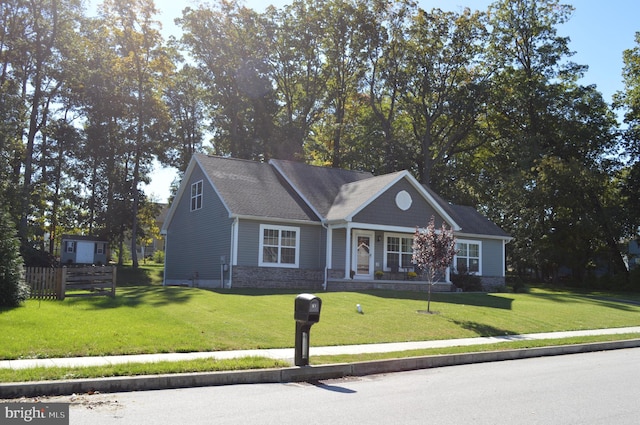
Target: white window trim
{"type": "Point", "coordinates": [69, 247]}
{"type": "Point", "coordinates": [395, 235]}
{"type": "Point", "coordinates": [469, 242]}
{"type": "Point", "coordinates": [261, 261]}
{"type": "Point", "coordinates": [196, 196]}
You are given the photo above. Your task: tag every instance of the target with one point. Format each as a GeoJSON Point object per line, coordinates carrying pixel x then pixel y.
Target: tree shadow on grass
{"type": "Point", "coordinates": [478, 299]}
{"type": "Point", "coordinates": [601, 301]}
{"type": "Point", "coordinates": [482, 329]}
{"type": "Point", "coordinates": [152, 296]}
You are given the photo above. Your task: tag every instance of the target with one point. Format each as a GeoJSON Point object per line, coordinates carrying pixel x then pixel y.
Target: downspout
{"type": "Point", "coordinates": [232, 250]}
{"type": "Point", "coordinates": [164, 274]}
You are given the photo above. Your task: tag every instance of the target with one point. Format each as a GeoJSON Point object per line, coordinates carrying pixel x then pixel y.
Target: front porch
{"type": "Point", "coordinates": [337, 284]}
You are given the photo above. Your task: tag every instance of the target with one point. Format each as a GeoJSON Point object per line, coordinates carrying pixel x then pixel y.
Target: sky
{"type": "Point", "coordinates": [599, 32]}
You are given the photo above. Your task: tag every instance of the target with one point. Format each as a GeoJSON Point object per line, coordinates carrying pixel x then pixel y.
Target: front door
{"type": "Point", "coordinates": [363, 254]}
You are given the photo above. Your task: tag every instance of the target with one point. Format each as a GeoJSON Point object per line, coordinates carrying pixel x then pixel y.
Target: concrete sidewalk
{"type": "Point", "coordinates": [288, 353]}
{"type": "Point", "coordinates": [13, 390]}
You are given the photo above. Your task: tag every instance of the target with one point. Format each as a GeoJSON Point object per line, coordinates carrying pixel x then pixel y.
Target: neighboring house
{"type": "Point", "coordinates": [634, 254]}
{"type": "Point", "coordinates": [78, 249]}
{"type": "Point", "coordinates": [285, 224]}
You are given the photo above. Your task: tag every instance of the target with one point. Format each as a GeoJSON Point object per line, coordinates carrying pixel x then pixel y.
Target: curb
{"type": "Point", "coordinates": [292, 374]}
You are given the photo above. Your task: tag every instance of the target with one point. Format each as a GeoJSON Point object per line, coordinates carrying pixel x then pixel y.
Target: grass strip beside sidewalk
{"type": "Point", "coordinates": [248, 363]}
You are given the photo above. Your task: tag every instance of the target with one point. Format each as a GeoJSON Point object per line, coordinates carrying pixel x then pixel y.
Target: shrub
{"type": "Point", "coordinates": [467, 282]}
{"type": "Point", "coordinates": [13, 289]}
{"type": "Point", "coordinates": [158, 257]}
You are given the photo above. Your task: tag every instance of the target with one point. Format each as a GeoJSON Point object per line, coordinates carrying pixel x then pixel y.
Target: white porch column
{"type": "Point", "coordinates": [328, 251]}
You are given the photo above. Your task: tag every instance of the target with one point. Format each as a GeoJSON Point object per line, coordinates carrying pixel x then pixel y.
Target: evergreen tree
{"type": "Point", "coordinates": [13, 289]}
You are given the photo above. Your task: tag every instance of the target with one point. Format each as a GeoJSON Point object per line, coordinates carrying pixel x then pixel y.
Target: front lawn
{"type": "Point", "coordinates": [151, 319]}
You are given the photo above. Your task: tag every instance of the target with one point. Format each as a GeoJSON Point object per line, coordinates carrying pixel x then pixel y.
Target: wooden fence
{"type": "Point", "coordinates": [58, 283]}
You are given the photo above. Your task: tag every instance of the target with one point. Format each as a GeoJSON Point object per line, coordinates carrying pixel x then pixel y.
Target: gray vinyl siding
{"type": "Point", "coordinates": [492, 251]}
{"type": "Point", "coordinates": [312, 240]}
{"type": "Point", "coordinates": [383, 210]}
{"type": "Point", "coordinates": [197, 239]}
{"type": "Point", "coordinates": [338, 254]}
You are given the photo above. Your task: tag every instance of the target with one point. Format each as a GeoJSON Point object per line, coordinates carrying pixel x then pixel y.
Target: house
{"type": "Point", "coordinates": [78, 249]}
{"type": "Point", "coordinates": [285, 224]}
{"type": "Point", "coordinates": [634, 254]}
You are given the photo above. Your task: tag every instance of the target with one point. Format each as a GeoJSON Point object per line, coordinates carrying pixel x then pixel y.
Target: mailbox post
{"type": "Point", "coordinates": [306, 313]}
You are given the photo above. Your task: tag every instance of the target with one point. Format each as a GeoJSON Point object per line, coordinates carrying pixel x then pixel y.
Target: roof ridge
{"type": "Point", "coordinates": [230, 158]}
{"type": "Point", "coordinates": [321, 166]}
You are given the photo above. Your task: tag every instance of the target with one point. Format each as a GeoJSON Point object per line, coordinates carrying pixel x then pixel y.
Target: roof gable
{"type": "Point", "coordinates": [356, 196]}
{"type": "Point", "coordinates": [246, 189]}
{"type": "Point", "coordinates": [318, 186]}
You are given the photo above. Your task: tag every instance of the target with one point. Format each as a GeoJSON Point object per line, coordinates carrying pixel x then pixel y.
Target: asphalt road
{"type": "Point", "coordinates": [591, 388]}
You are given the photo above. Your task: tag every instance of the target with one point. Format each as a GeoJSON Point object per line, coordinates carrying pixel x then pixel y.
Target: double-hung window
{"type": "Point", "coordinates": [399, 251]}
{"type": "Point", "coordinates": [468, 257]}
{"type": "Point", "coordinates": [279, 246]}
{"type": "Point", "coordinates": [196, 196]}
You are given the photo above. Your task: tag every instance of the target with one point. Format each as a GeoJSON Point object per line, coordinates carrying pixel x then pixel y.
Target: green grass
{"type": "Point", "coordinates": [246, 363]}
{"type": "Point", "coordinates": [138, 369]}
{"type": "Point", "coordinates": [156, 319]}
{"type": "Point", "coordinates": [507, 345]}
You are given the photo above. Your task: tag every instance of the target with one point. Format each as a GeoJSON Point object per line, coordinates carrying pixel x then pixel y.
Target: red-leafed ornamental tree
{"type": "Point", "coordinates": [433, 251]}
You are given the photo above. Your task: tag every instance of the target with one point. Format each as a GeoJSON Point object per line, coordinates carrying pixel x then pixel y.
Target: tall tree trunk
{"type": "Point", "coordinates": [136, 201]}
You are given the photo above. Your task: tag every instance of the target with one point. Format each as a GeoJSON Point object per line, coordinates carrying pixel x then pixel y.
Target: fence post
{"type": "Point", "coordinates": [62, 282]}
{"type": "Point", "coordinates": [113, 281]}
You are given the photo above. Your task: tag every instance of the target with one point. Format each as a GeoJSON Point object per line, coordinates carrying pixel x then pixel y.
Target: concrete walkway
{"type": "Point", "coordinates": [288, 353]}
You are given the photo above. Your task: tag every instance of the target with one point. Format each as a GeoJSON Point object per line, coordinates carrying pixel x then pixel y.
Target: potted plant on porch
{"type": "Point", "coordinates": [379, 274]}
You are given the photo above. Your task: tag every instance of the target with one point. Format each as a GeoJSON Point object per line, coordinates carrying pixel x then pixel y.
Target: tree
{"type": "Point", "coordinates": [629, 100]}
{"type": "Point", "coordinates": [342, 47]}
{"type": "Point", "coordinates": [185, 99]}
{"type": "Point", "coordinates": [446, 84]}
{"type": "Point", "coordinates": [143, 64]}
{"type": "Point", "coordinates": [433, 251]}
{"type": "Point", "coordinates": [296, 67]}
{"type": "Point", "coordinates": [227, 44]}
{"type": "Point", "coordinates": [386, 52]}
{"type": "Point", "coordinates": [13, 289]}
{"type": "Point", "coordinates": [35, 40]}
{"type": "Point", "coordinates": [550, 142]}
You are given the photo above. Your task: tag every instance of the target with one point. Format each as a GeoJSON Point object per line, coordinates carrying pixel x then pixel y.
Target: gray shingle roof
{"type": "Point", "coordinates": [257, 189]}
{"type": "Point", "coordinates": [252, 188]}
{"type": "Point", "coordinates": [318, 185]}
{"type": "Point", "coordinates": [352, 196]}
{"type": "Point", "coordinates": [473, 222]}
{"type": "Point", "coordinates": [468, 218]}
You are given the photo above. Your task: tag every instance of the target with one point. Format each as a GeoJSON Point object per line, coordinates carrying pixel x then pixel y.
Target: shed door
{"type": "Point", "coordinates": [84, 252]}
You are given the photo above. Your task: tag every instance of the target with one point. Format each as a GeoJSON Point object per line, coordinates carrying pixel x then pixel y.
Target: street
{"type": "Point", "coordinates": [592, 388]}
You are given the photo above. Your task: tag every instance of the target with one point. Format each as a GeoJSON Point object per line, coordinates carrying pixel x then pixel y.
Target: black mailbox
{"type": "Point", "coordinates": [306, 313]}
{"type": "Point", "coordinates": [307, 308]}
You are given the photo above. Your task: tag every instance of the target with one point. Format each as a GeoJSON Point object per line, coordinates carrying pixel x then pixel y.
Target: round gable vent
{"type": "Point", "coordinates": [403, 200]}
